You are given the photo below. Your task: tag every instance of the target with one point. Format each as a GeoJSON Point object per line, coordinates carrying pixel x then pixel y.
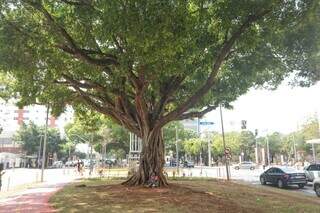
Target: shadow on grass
{"type": "Point", "coordinates": [182, 195]}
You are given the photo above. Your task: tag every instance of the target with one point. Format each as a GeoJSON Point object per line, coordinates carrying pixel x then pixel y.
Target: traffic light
{"type": "Point", "coordinates": [243, 124]}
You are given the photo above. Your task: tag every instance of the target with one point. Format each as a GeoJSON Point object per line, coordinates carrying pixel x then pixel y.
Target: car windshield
{"type": "Point", "coordinates": [246, 162]}
{"type": "Point", "coordinates": [289, 170]}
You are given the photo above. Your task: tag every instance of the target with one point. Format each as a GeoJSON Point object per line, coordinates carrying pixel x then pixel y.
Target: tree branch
{"type": "Point", "coordinates": [193, 100]}
{"type": "Point", "coordinates": [77, 3]}
{"type": "Point", "coordinates": [109, 111]}
{"type": "Point", "coordinates": [167, 90]}
{"type": "Point", "coordinates": [71, 48]}
{"type": "Point", "coordinates": [200, 114]}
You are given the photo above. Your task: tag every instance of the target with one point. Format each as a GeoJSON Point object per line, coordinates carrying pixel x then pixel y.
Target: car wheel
{"type": "Point", "coordinates": [300, 185]}
{"type": "Point", "coordinates": [317, 189]}
{"type": "Point", "coordinates": [236, 168]}
{"type": "Point", "coordinates": [262, 181]}
{"type": "Point", "coordinates": [280, 184]}
{"type": "Point", "coordinates": [251, 168]}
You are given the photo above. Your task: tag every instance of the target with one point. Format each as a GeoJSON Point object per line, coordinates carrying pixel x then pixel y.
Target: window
{"type": "Point", "coordinates": [271, 171]}
{"type": "Point", "coordinates": [314, 168]}
{"type": "Point", "coordinates": [278, 171]}
{"type": "Point", "coordinates": [289, 170]}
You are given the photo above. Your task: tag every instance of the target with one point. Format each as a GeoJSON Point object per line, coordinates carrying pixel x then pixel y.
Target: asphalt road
{"type": "Point", "coordinates": [242, 175]}
{"type": "Point", "coordinates": [16, 177]}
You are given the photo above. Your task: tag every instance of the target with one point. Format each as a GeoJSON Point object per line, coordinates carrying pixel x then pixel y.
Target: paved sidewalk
{"type": "Point", "coordinates": [32, 200]}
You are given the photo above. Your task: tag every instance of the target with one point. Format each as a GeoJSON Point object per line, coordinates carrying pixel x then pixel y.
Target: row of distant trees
{"type": "Point", "coordinates": [90, 127]}
{"type": "Point", "coordinates": [31, 138]}
{"type": "Point", "coordinates": [243, 142]}
{"type": "Point", "coordinates": [112, 140]}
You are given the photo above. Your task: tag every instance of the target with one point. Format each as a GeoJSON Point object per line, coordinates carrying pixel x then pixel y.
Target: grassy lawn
{"type": "Point", "coordinates": [181, 196]}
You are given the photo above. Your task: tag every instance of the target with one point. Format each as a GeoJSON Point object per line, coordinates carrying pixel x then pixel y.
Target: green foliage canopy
{"type": "Point", "coordinates": [98, 130]}
{"type": "Point", "coordinates": [145, 63]}
{"type": "Point", "coordinates": [29, 137]}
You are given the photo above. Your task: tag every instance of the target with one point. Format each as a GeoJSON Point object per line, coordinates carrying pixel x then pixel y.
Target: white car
{"type": "Point", "coordinates": [57, 164]}
{"type": "Point", "coordinates": [245, 165]}
{"type": "Point", "coordinates": [312, 172]}
{"type": "Point", "coordinates": [316, 186]}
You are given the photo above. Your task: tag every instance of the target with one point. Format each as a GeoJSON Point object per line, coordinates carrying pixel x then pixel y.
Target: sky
{"type": "Point", "coordinates": [282, 110]}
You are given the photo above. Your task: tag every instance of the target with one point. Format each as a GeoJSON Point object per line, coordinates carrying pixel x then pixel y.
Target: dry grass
{"type": "Point", "coordinates": [181, 196]}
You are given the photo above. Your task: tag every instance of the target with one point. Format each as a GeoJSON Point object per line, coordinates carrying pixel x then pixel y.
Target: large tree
{"type": "Point", "coordinates": [145, 63]}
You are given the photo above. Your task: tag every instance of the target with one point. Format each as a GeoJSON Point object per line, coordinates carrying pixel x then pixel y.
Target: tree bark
{"type": "Point", "coordinates": [151, 162]}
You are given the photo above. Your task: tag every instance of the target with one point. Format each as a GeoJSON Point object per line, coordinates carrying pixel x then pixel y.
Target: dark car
{"type": "Point", "coordinates": [188, 164]}
{"type": "Point", "coordinates": [312, 171]}
{"type": "Point", "coordinates": [283, 176]}
{"type": "Point", "coordinates": [109, 162]}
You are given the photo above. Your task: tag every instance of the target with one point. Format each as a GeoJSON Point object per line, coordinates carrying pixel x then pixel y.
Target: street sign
{"type": "Point", "coordinates": [227, 151]}
{"type": "Point", "coordinates": [206, 123]}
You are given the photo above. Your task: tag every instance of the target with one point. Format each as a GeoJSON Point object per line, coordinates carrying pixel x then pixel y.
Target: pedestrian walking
{"type": "Point", "coordinates": [79, 166]}
{"type": "Point", "coordinates": [1, 173]}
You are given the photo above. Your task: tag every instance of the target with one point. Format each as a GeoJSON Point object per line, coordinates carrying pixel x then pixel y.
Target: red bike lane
{"type": "Point", "coordinates": [33, 200]}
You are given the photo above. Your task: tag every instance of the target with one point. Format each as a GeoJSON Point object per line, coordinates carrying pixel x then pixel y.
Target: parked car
{"type": "Point", "coordinates": [316, 186]}
{"type": "Point", "coordinates": [57, 164]}
{"type": "Point", "coordinates": [88, 162]}
{"type": "Point", "coordinates": [312, 172]}
{"type": "Point", "coordinates": [245, 165]}
{"type": "Point", "coordinates": [109, 162]}
{"type": "Point", "coordinates": [188, 164]}
{"type": "Point", "coordinates": [71, 163]}
{"type": "Point", "coordinates": [283, 176]}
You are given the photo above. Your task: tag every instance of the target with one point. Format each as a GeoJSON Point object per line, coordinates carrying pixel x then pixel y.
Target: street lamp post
{"type": "Point", "coordinates": [44, 144]}
{"type": "Point", "coordinates": [224, 144]}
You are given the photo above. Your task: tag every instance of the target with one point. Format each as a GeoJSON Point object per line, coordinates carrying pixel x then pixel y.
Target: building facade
{"type": "Point", "coordinates": [11, 119]}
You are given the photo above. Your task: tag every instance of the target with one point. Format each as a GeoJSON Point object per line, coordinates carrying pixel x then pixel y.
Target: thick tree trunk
{"type": "Point", "coordinates": [151, 161]}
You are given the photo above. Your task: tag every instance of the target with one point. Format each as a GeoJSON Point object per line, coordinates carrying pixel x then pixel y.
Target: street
{"type": "Point", "coordinates": [243, 175]}
{"type": "Point", "coordinates": [18, 177]}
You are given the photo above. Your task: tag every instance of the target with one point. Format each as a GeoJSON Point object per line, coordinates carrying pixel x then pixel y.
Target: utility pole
{"type": "Point", "coordinates": [209, 152]}
{"type": "Point", "coordinates": [177, 150]}
{"type": "Point", "coordinates": [256, 149]}
{"type": "Point", "coordinates": [44, 144]}
{"type": "Point", "coordinates": [198, 131]}
{"type": "Point", "coordinates": [224, 144]}
{"type": "Point", "coordinates": [313, 153]}
{"type": "Point", "coordinates": [39, 152]}
{"type": "Point", "coordinates": [294, 148]}
{"type": "Point", "coordinates": [268, 150]}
